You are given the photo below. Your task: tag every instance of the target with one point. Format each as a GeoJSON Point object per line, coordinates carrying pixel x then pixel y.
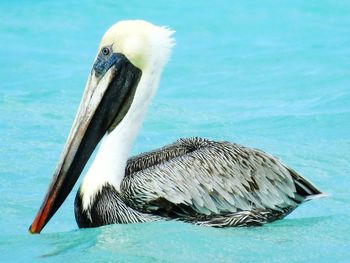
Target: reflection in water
{"type": "Point", "coordinates": [79, 240]}
{"type": "Point", "coordinates": [177, 242]}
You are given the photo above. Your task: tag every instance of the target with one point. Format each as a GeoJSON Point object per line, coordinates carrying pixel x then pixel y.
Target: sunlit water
{"type": "Point", "coordinates": [273, 75]}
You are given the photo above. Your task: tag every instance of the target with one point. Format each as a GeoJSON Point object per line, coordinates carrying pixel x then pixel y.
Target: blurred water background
{"type": "Point", "coordinates": [273, 75]}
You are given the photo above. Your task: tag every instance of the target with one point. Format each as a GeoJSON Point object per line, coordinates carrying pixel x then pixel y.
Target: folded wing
{"type": "Point", "coordinates": [200, 177]}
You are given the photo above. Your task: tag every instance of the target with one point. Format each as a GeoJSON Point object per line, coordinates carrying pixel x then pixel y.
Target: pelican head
{"type": "Point", "coordinates": [124, 76]}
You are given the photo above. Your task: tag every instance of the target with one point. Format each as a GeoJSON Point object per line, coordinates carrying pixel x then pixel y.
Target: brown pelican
{"type": "Point", "coordinates": [192, 180]}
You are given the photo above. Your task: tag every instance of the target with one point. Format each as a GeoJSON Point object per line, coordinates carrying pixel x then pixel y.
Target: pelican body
{"type": "Point", "coordinates": [193, 180]}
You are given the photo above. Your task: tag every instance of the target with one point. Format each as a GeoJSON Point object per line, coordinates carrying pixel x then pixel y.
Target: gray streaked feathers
{"type": "Point", "coordinates": [203, 182]}
{"type": "Point", "coordinates": [195, 176]}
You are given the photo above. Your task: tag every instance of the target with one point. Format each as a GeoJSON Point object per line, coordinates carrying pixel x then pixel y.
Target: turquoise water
{"type": "Point", "coordinates": [273, 75]}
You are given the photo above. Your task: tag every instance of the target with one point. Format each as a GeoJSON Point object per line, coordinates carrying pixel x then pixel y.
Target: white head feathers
{"type": "Point", "coordinates": [143, 43]}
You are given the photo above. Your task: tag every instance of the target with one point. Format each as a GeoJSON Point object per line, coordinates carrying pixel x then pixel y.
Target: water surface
{"type": "Point", "coordinates": [266, 74]}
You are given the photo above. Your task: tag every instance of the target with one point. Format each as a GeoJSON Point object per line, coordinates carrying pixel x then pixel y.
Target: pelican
{"type": "Point", "coordinates": [194, 180]}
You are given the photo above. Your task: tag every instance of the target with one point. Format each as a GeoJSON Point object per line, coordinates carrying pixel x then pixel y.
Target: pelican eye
{"type": "Point", "coordinates": [106, 51]}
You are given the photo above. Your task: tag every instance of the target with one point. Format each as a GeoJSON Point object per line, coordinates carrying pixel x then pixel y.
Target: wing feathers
{"type": "Point", "coordinates": [211, 178]}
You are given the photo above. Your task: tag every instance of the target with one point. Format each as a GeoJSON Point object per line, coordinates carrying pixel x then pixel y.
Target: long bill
{"type": "Point", "coordinates": [106, 99]}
